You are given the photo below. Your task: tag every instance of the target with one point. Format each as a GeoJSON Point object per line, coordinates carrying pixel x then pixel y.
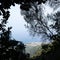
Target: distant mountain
{"type": "Point", "coordinates": [32, 48]}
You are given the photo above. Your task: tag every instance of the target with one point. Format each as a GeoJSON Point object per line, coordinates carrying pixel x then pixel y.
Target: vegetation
{"type": "Point", "coordinates": [33, 50]}
{"type": "Point", "coordinates": [10, 49]}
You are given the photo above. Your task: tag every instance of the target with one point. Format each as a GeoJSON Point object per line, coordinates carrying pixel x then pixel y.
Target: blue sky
{"type": "Point", "coordinates": [16, 20]}
{"type": "Point", "coordinates": [19, 32]}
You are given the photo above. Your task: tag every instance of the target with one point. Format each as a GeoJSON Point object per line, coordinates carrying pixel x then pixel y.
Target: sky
{"type": "Point", "coordinates": [19, 31]}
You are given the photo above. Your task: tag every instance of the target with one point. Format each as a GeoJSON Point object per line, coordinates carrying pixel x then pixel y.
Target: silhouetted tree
{"type": "Point", "coordinates": [32, 11]}
{"type": "Point", "coordinates": [11, 49]}
{"type": "Point", "coordinates": [37, 23]}
{"type": "Point", "coordinates": [35, 19]}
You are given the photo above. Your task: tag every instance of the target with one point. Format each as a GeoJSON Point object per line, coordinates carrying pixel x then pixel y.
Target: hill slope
{"type": "Point", "coordinates": [33, 47]}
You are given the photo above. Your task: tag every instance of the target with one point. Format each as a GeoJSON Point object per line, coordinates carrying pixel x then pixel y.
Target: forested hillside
{"type": "Point", "coordinates": [32, 49]}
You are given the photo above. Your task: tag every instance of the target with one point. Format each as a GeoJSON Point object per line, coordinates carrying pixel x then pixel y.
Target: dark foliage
{"type": "Point", "coordinates": [11, 49]}
{"type": "Point", "coordinates": [50, 51]}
